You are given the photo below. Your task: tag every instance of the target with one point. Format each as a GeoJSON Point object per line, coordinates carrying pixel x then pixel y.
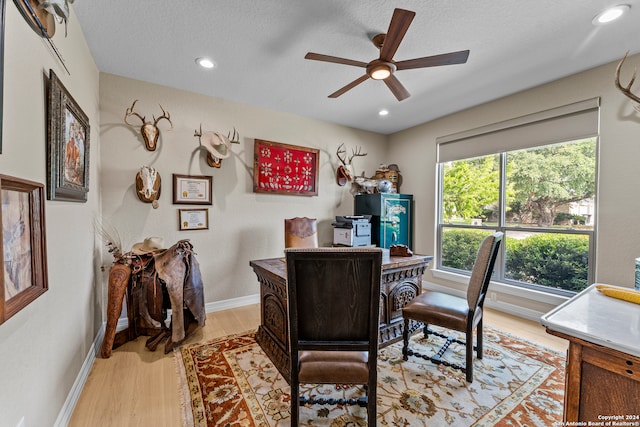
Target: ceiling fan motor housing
{"type": "Point", "coordinates": [379, 69]}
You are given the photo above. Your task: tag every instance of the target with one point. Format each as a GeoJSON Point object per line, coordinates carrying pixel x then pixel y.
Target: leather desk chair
{"type": "Point", "coordinates": [300, 233]}
{"type": "Point", "coordinates": [452, 312]}
{"type": "Point", "coordinates": [334, 302]}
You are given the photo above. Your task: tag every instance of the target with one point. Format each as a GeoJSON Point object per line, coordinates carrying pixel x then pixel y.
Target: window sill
{"type": "Point", "coordinates": [503, 288]}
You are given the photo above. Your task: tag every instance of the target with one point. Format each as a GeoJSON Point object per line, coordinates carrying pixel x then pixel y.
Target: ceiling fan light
{"type": "Point", "coordinates": [380, 72]}
{"type": "Point", "coordinates": [610, 14]}
{"type": "Point", "coordinates": [205, 62]}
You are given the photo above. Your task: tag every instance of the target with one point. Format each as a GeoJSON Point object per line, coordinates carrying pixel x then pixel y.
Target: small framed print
{"type": "Point", "coordinates": [192, 189]}
{"type": "Point", "coordinates": [193, 219]}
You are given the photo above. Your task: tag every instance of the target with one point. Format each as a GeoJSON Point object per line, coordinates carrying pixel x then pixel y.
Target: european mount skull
{"type": "Point", "coordinates": [148, 185]}
{"type": "Point", "coordinates": [149, 130]}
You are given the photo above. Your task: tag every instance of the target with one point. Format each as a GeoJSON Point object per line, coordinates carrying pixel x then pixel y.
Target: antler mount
{"type": "Point", "coordinates": [626, 90]}
{"type": "Point", "coordinates": [149, 130]}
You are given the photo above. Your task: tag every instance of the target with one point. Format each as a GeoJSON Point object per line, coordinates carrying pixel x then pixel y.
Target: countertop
{"type": "Point", "coordinates": [599, 319]}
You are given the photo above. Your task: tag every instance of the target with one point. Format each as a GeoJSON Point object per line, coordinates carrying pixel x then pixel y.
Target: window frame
{"type": "Point", "coordinates": [499, 270]}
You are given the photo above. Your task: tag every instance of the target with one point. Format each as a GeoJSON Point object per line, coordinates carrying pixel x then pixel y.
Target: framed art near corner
{"type": "Point", "coordinates": [285, 169]}
{"type": "Point", "coordinates": [23, 245]}
{"type": "Point", "coordinates": [68, 146]}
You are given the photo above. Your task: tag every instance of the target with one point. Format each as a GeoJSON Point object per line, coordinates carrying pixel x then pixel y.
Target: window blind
{"type": "Point", "coordinates": [567, 123]}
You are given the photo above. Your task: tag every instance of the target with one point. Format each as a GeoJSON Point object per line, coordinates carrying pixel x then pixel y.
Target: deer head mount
{"type": "Point", "coordinates": [148, 185]}
{"type": "Point", "coordinates": [626, 90]}
{"type": "Point", "coordinates": [345, 171]}
{"type": "Point", "coordinates": [149, 130]}
{"type": "Point", "coordinates": [213, 141]}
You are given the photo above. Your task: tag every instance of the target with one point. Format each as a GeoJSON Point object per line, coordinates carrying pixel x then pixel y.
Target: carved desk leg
{"type": "Point", "coordinates": [118, 279]}
{"type": "Point", "coordinates": [399, 286]}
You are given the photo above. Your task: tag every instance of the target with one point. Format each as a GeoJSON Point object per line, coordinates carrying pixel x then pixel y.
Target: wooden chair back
{"type": "Point", "coordinates": [334, 302]}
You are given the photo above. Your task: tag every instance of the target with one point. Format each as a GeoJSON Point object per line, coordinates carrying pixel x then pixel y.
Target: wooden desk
{"type": "Point", "coordinates": [603, 363]}
{"type": "Point", "coordinates": [401, 282]}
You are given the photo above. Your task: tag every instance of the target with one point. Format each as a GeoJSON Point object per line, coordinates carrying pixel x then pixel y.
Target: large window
{"type": "Point", "coordinates": [541, 196]}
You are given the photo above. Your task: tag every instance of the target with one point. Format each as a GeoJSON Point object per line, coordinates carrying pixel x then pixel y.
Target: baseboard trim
{"type": "Point", "coordinates": [64, 416]}
{"type": "Point", "coordinates": [232, 303]}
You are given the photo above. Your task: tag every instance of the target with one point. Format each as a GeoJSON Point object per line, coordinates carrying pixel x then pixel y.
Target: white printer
{"type": "Point", "coordinates": [352, 230]}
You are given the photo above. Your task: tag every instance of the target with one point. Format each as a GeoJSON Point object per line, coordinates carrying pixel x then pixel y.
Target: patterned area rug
{"type": "Point", "coordinates": [231, 382]}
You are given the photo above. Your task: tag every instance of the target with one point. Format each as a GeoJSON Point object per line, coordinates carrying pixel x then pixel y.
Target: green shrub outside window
{"type": "Point", "coordinates": [552, 260]}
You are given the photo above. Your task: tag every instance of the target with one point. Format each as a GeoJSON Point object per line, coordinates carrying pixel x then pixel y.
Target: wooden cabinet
{"type": "Point", "coordinates": [600, 382]}
{"type": "Point", "coordinates": [603, 361]}
{"type": "Point", "coordinates": [392, 217]}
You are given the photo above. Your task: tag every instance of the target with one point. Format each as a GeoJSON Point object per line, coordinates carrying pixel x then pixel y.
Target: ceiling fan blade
{"type": "Point", "coordinates": [350, 86]}
{"type": "Point", "coordinates": [396, 87]}
{"type": "Point", "coordinates": [459, 57]}
{"type": "Point", "coordinates": [398, 27]}
{"type": "Point", "coordinates": [334, 59]}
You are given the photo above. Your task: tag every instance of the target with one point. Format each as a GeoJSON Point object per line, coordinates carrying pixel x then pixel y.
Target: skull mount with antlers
{"type": "Point", "coordinates": [345, 171]}
{"type": "Point", "coordinates": [212, 140]}
{"type": "Point", "coordinates": [149, 130]}
{"type": "Point", "coordinates": [626, 90]}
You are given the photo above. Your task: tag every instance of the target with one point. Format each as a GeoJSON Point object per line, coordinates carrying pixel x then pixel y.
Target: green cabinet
{"type": "Point", "coordinates": [392, 217]}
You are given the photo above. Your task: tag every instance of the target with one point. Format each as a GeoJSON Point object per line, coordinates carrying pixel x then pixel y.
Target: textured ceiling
{"type": "Point", "coordinates": [259, 47]}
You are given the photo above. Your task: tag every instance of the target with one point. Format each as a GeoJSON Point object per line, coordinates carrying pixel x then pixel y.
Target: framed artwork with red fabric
{"type": "Point", "coordinates": [285, 169]}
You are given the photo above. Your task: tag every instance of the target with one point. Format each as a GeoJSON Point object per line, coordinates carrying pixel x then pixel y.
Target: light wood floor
{"type": "Point", "coordinates": [136, 387]}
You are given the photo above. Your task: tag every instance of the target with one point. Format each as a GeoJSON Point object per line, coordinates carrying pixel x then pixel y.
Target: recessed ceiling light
{"type": "Point", "coordinates": [205, 62]}
{"type": "Point", "coordinates": [383, 112]}
{"type": "Point", "coordinates": [610, 14]}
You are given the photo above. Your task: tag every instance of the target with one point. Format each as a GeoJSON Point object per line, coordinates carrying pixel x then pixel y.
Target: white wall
{"type": "Point", "coordinates": [42, 347]}
{"type": "Point", "coordinates": [618, 204]}
{"type": "Point", "coordinates": [243, 225]}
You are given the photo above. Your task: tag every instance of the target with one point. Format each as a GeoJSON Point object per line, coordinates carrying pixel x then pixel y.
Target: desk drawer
{"type": "Point", "coordinates": [624, 365]}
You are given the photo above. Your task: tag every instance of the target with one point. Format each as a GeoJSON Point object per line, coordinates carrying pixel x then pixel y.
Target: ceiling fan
{"type": "Point", "coordinates": [384, 67]}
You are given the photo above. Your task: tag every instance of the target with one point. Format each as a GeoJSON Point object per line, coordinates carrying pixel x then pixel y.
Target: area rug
{"type": "Point", "coordinates": [231, 382]}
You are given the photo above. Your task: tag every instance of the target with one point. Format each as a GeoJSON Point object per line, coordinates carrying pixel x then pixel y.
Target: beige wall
{"type": "Point", "coordinates": [243, 225]}
{"type": "Point", "coordinates": [43, 347]}
{"type": "Point", "coordinates": [618, 204]}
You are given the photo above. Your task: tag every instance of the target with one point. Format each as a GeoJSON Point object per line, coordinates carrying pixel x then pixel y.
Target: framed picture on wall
{"type": "Point", "coordinates": [193, 219]}
{"type": "Point", "coordinates": [24, 260]}
{"type": "Point", "coordinates": [192, 189]}
{"type": "Point", "coordinates": [68, 145]}
{"type": "Point", "coordinates": [285, 169]}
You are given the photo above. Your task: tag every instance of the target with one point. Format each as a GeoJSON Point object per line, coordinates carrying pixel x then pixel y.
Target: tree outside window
{"type": "Point", "coordinates": [542, 198]}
